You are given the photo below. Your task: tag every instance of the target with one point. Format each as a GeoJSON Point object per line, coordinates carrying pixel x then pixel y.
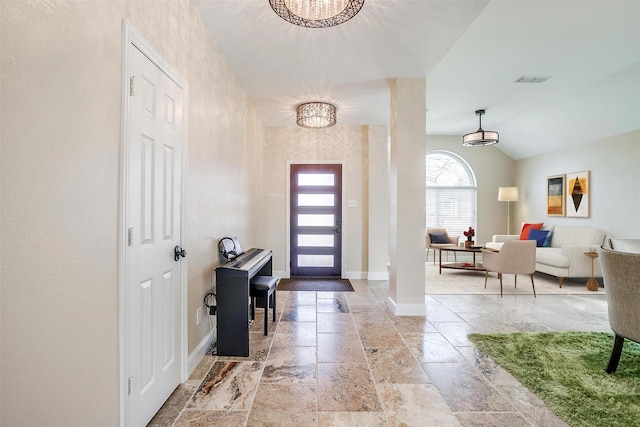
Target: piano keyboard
{"type": "Point", "coordinates": [243, 260]}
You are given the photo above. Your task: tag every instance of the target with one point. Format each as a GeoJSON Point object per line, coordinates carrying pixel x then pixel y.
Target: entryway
{"type": "Point", "coordinates": [316, 220]}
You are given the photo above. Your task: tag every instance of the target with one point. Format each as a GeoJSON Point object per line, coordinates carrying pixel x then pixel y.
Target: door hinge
{"type": "Point", "coordinates": [132, 86]}
{"type": "Point", "coordinates": [130, 236]}
{"type": "Point", "coordinates": [129, 386]}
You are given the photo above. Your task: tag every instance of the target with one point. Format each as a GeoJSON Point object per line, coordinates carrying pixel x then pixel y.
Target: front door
{"type": "Point", "coordinates": [153, 199]}
{"type": "Point", "coordinates": [316, 220]}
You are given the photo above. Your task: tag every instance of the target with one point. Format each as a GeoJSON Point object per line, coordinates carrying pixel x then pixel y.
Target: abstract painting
{"type": "Point", "coordinates": [577, 194]}
{"type": "Point", "coordinates": [555, 195]}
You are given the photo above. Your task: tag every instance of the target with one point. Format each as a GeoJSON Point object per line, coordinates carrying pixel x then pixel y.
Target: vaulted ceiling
{"type": "Point", "coordinates": [471, 52]}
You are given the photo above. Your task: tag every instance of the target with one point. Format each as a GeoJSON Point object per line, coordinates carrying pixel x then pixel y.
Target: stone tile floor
{"type": "Point", "coordinates": [343, 359]}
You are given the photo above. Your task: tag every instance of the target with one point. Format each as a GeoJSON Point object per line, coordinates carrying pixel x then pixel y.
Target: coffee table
{"type": "Point", "coordinates": [475, 266]}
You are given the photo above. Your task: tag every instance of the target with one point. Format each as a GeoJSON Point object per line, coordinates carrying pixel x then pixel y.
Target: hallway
{"type": "Point", "coordinates": [342, 359]}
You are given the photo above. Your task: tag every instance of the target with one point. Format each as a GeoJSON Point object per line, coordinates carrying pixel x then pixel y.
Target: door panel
{"type": "Point", "coordinates": [153, 289]}
{"type": "Point", "coordinates": [316, 220]}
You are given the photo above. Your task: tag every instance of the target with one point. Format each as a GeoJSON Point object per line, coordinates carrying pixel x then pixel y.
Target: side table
{"type": "Point", "coordinates": [592, 283]}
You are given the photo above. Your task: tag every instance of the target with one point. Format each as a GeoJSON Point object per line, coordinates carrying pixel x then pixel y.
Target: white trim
{"type": "Point", "coordinates": [407, 309]}
{"type": "Point", "coordinates": [130, 36]}
{"type": "Point", "coordinates": [281, 274]}
{"type": "Point", "coordinates": [378, 275]}
{"type": "Point", "coordinates": [198, 353]}
{"type": "Point", "coordinates": [355, 275]}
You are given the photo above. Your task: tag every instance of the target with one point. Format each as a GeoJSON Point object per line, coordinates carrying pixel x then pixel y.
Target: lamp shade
{"type": "Point", "coordinates": [508, 194]}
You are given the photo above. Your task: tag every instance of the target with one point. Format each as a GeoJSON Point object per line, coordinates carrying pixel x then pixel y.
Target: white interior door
{"type": "Point", "coordinates": [153, 277]}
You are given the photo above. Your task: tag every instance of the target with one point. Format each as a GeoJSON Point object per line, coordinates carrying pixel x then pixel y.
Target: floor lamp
{"type": "Point", "coordinates": [508, 194]}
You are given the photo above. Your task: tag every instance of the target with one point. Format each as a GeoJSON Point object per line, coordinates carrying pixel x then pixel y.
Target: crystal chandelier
{"type": "Point", "coordinates": [480, 137]}
{"type": "Point", "coordinates": [316, 115]}
{"type": "Point", "coordinates": [316, 13]}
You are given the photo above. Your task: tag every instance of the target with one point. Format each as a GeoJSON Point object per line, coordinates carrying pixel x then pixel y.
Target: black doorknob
{"type": "Point", "coordinates": [179, 252]}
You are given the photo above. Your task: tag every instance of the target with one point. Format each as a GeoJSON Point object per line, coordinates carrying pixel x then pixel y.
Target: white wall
{"type": "Point", "coordinates": [60, 157]}
{"type": "Point", "coordinates": [615, 184]}
{"type": "Point", "coordinates": [492, 169]}
{"type": "Point", "coordinates": [336, 144]}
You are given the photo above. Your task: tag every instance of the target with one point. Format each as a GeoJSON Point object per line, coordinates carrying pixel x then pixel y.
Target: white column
{"type": "Point", "coordinates": [378, 203]}
{"type": "Point", "coordinates": [407, 197]}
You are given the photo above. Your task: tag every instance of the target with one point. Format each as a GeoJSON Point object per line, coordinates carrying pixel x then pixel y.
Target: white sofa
{"type": "Point", "coordinates": [565, 255]}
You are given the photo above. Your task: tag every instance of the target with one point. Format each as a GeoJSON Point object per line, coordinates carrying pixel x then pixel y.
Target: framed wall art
{"type": "Point", "coordinates": [555, 195]}
{"type": "Point", "coordinates": [577, 194]}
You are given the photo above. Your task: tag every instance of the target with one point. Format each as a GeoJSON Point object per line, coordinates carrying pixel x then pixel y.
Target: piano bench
{"type": "Point", "coordinates": [263, 287]}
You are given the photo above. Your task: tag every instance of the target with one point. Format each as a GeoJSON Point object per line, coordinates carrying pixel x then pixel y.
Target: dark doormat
{"type": "Point", "coordinates": [317, 285]}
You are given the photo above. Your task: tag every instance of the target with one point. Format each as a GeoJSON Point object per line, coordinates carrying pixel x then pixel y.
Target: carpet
{"type": "Point", "coordinates": [567, 371]}
{"type": "Point", "coordinates": [463, 282]}
{"type": "Point", "coordinates": [317, 285]}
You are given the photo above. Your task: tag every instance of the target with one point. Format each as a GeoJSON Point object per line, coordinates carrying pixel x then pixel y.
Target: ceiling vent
{"type": "Point", "coordinates": [532, 79]}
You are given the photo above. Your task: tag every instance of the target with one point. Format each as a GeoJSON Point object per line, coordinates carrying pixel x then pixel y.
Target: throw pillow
{"type": "Point", "coordinates": [438, 238]}
{"type": "Point", "coordinates": [524, 234]}
{"type": "Point", "coordinates": [540, 236]}
{"type": "Point", "coordinates": [547, 241]}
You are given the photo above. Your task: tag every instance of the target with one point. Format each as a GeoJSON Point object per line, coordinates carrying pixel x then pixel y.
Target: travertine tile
{"type": "Point", "coordinates": [284, 405]}
{"type": "Point", "coordinates": [291, 334]}
{"type": "Point", "coordinates": [415, 405]}
{"type": "Point", "coordinates": [346, 387]}
{"type": "Point", "coordinates": [230, 385]}
{"type": "Point", "coordinates": [465, 389]}
{"type": "Point", "coordinates": [290, 365]}
{"type": "Point", "coordinates": [395, 365]}
{"type": "Point", "coordinates": [340, 348]}
{"type": "Point", "coordinates": [344, 359]}
{"type": "Point", "coordinates": [352, 419]}
{"type": "Point", "coordinates": [198, 418]}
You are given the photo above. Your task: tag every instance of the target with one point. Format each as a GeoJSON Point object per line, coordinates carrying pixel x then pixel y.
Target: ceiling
{"type": "Point", "coordinates": [470, 52]}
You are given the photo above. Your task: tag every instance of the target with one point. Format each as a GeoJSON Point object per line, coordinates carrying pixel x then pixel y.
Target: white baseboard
{"type": "Point", "coordinates": [407, 309]}
{"type": "Point", "coordinates": [279, 274]}
{"type": "Point", "coordinates": [198, 353]}
{"type": "Point", "coordinates": [355, 275]}
{"type": "Point", "coordinates": [378, 275]}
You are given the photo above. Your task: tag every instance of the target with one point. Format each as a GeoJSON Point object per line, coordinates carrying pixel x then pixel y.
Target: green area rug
{"type": "Point", "coordinates": [567, 371]}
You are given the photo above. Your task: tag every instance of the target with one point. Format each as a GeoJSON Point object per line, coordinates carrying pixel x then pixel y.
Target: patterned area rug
{"type": "Point", "coordinates": [462, 282]}
{"type": "Point", "coordinates": [317, 285]}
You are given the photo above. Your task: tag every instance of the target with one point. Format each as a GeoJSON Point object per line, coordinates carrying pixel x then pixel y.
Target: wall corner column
{"type": "Point", "coordinates": [407, 197]}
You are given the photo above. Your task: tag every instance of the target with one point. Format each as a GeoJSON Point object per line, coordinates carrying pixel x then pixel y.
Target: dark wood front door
{"type": "Point", "coordinates": [316, 220]}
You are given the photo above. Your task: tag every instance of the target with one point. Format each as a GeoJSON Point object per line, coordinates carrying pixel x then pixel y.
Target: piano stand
{"type": "Point", "coordinates": [233, 299]}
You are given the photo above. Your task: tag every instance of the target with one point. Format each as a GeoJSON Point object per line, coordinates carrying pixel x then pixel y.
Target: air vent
{"type": "Point", "coordinates": [532, 79]}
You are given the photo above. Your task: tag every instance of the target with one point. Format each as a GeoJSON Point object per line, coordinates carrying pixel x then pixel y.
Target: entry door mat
{"type": "Point", "coordinates": [567, 371]}
{"type": "Point", "coordinates": [317, 285]}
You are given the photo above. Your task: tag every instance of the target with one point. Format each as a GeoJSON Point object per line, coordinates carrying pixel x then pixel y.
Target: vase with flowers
{"type": "Point", "coordinates": [469, 235]}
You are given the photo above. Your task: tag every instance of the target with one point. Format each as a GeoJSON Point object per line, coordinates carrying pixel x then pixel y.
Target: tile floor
{"type": "Point", "coordinates": [343, 359]}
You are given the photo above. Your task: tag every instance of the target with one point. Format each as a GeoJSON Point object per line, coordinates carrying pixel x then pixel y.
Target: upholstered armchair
{"type": "Point", "coordinates": [621, 276]}
{"type": "Point", "coordinates": [515, 257]}
{"type": "Point", "coordinates": [437, 237]}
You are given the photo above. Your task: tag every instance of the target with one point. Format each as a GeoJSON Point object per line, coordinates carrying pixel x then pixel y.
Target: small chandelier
{"type": "Point", "coordinates": [316, 115]}
{"type": "Point", "coordinates": [480, 137]}
{"type": "Point", "coordinates": [316, 13]}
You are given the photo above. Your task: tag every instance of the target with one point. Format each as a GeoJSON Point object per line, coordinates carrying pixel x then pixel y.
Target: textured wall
{"type": "Point", "coordinates": [60, 159]}
{"type": "Point", "coordinates": [286, 145]}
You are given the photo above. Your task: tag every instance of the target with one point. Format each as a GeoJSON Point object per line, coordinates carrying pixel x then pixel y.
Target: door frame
{"type": "Point", "coordinates": [132, 39]}
{"type": "Point", "coordinates": [345, 223]}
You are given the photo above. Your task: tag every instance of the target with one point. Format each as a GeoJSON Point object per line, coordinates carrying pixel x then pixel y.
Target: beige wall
{"type": "Point", "coordinates": [615, 177]}
{"type": "Point", "coordinates": [285, 145]}
{"type": "Point", "coordinates": [60, 158]}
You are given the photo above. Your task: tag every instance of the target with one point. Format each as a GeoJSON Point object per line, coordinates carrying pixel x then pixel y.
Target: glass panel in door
{"type": "Point", "coordinates": [316, 220]}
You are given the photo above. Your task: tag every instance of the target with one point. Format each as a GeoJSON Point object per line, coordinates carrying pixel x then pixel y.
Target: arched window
{"type": "Point", "coordinates": [451, 192]}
